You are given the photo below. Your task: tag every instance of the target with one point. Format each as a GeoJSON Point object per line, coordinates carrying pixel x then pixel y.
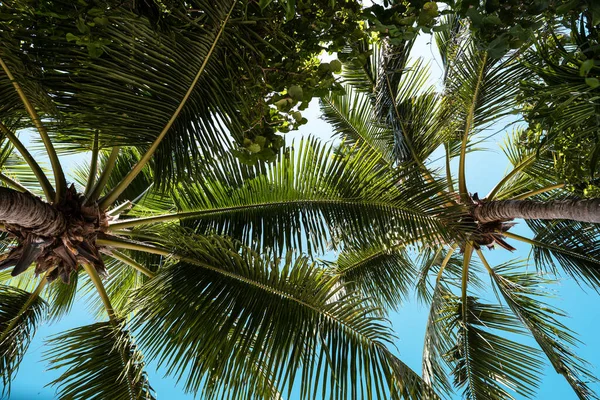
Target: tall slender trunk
{"type": "Point", "coordinates": [577, 210]}
{"type": "Point", "coordinates": [29, 212]}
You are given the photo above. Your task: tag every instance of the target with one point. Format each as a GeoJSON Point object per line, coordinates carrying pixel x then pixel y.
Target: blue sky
{"type": "Point", "coordinates": [484, 169]}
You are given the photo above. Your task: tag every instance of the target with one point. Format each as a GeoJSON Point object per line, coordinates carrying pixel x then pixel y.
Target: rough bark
{"type": "Point", "coordinates": [23, 210]}
{"type": "Point", "coordinates": [577, 210]}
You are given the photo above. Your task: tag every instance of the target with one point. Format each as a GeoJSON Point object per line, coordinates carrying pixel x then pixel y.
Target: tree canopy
{"type": "Point", "coordinates": [200, 230]}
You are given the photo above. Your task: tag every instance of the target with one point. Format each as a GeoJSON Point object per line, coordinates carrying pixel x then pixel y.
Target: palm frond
{"type": "Point", "coordinates": [361, 73]}
{"type": "Point", "coordinates": [20, 313]}
{"type": "Point", "coordinates": [439, 340]}
{"type": "Point", "coordinates": [227, 310]}
{"type": "Point", "coordinates": [381, 273]}
{"type": "Point", "coordinates": [131, 87]}
{"type": "Point", "coordinates": [101, 361]}
{"type": "Point", "coordinates": [568, 245]}
{"type": "Point", "coordinates": [351, 116]}
{"type": "Point", "coordinates": [487, 365]}
{"type": "Point", "coordinates": [61, 296]}
{"type": "Point", "coordinates": [307, 196]}
{"type": "Point", "coordinates": [522, 292]}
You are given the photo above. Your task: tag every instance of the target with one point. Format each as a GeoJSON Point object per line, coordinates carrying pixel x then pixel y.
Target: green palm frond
{"type": "Point", "coordinates": [61, 296]}
{"type": "Point", "coordinates": [523, 292]}
{"type": "Point", "coordinates": [487, 365]}
{"type": "Point", "coordinates": [532, 168]}
{"type": "Point", "coordinates": [557, 90]}
{"type": "Point", "coordinates": [483, 89]}
{"type": "Point", "coordinates": [429, 262]}
{"type": "Point", "coordinates": [20, 313]}
{"type": "Point", "coordinates": [361, 73]}
{"type": "Point", "coordinates": [567, 245]}
{"type": "Point", "coordinates": [101, 361]}
{"type": "Point", "coordinates": [123, 280]}
{"type": "Point", "coordinates": [228, 310]}
{"type": "Point", "coordinates": [131, 89]}
{"type": "Point", "coordinates": [381, 273]}
{"type": "Point", "coordinates": [308, 196]}
{"type": "Point", "coordinates": [439, 340]}
{"type": "Point", "coordinates": [351, 116]}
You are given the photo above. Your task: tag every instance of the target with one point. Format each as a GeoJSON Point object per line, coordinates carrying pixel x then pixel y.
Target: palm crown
{"type": "Point", "coordinates": [204, 251]}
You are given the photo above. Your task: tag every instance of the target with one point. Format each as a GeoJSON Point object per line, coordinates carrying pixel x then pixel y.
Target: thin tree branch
{"type": "Point", "coordinates": [59, 175]}
{"type": "Point", "coordinates": [117, 190]}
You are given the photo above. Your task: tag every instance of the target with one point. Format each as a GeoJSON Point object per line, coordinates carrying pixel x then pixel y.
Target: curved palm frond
{"type": "Point", "coordinates": [134, 83]}
{"type": "Point", "coordinates": [488, 365]}
{"type": "Point", "coordinates": [20, 313]}
{"type": "Point", "coordinates": [101, 361]}
{"type": "Point", "coordinates": [384, 274]}
{"type": "Point", "coordinates": [310, 195]}
{"type": "Point", "coordinates": [351, 116]}
{"type": "Point", "coordinates": [439, 340]}
{"type": "Point", "coordinates": [522, 292]}
{"type": "Point", "coordinates": [239, 311]}
{"type": "Point", "coordinates": [361, 73]}
{"type": "Point", "coordinates": [568, 245]}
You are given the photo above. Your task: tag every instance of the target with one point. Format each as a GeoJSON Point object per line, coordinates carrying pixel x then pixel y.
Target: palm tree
{"type": "Point", "coordinates": [391, 126]}
{"type": "Point", "coordinates": [388, 109]}
{"type": "Point", "coordinates": [152, 102]}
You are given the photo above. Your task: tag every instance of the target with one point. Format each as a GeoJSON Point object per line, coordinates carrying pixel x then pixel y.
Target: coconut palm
{"type": "Point", "coordinates": [391, 127]}
{"type": "Point", "coordinates": [230, 315]}
{"type": "Point", "coordinates": [389, 109]}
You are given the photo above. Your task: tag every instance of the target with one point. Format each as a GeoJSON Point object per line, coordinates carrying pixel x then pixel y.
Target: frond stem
{"type": "Point", "coordinates": [59, 175]}
{"type": "Point", "coordinates": [465, 278]}
{"type": "Point", "coordinates": [93, 166]}
{"type": "Point", "coordinates": [524, 163]}
{"type": "Point", "coordinates": [520, 238]}
{"type": "Point", "coordinates": [444, 263]}
{"type": "Point", "coordinates": [462, 184]}
{"type": "Point", "coordinates": [12, 183]}
{"type": "Point", "coordinates": [539, 191]}
{"type": "Point", "coordinates": [121, 186]}
{"type": "Point", "coordinates": [448, 170]}
{"type": "Point", "coordinates": [97, 281]}
{"type": "Point", "coordinates": [35, 167]}
{"type": "Point", "coordinates": [130, 223]}
{"type": "Point", "coordinates": [124, 258]}
{"type": "Point", "coordinates": [104, 175]}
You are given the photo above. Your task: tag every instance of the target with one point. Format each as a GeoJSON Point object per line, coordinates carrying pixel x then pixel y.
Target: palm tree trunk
{"type": "Point", "coordinates": [577, 210]}
{"type": "Point", "coordinates": [22, 210]}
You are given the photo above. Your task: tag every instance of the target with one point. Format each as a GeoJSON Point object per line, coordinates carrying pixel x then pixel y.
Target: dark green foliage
{"type": "Point", "coordinates": [240, 313]}
{"type": "Point", "coordinates": [523, 292]}
{"type": "Point", "coordinates": [487, 365]}
{"type": "Point", "coordinates": [20, 313]}
{"type": "Point", "coordinates": [100, 362]}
